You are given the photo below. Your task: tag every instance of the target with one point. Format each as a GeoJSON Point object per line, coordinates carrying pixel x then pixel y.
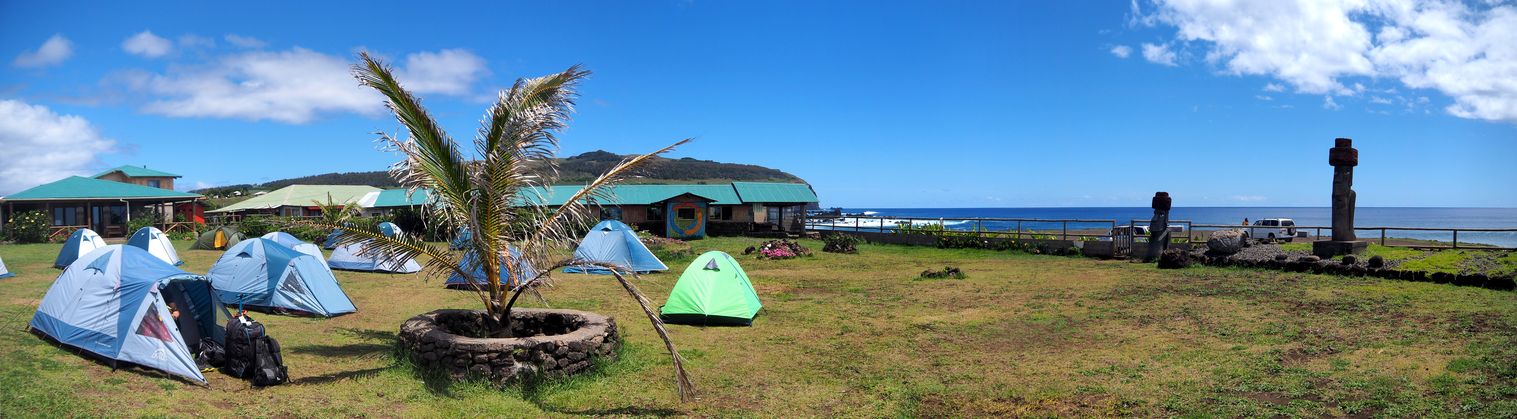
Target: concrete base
{"type": "Point", "coordinates": [1328, 248]}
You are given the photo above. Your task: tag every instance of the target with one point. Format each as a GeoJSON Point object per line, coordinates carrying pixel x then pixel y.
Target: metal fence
{"type": "Point", "coordinates": [1111, 230]}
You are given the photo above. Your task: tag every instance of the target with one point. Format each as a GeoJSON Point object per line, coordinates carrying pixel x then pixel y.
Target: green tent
{"type": "Point", "coordinates": [714, 290]}
{"type": "Point", "coordinates": [219, 238]}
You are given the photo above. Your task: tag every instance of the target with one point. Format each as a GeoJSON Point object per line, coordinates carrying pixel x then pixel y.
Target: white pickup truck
{"type": "Point", "coordinates": [1271, 229]}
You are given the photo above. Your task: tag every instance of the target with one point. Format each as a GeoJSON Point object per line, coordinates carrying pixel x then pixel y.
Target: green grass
{"type": "Point", "coordinates": [857, 335]}
{"type": "Point", "coordinates": [1448, 261]}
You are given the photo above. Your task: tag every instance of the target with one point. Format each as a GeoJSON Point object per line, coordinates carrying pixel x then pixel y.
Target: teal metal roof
{"type": "Point", "coordinates": [774, 192]}
{"type": "Point", "coordinates": [137, 171]}
{"type": "Point", "coordinates": [636, 194]}
{"type": "Point", "coordinates": [397, 198]}
{"type": "Point", "coordinates": [82, 188]}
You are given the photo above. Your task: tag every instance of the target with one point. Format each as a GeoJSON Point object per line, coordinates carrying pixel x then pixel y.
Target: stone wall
{"type": "Point", "coordinates": [556, 343]}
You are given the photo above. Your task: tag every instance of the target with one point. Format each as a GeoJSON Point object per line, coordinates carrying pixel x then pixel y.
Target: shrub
{"type": "Point", "coordinates": [28, 227]}
{"type": "Point", "coordinates": [781, 249]}
{"type": "Point", "coordinates": [140, 219]}
{"type": "Point", "coordinates": [256, 226]}
{"type": "Point", "coordinates": [840, 243]}
{"type": "Point", "coordinates": [666, 248]}
{"type": "Point", "coordinates": [947, 272]}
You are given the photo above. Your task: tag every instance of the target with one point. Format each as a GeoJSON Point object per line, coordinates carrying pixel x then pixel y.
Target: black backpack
{"type": "Point", "coordinates": [240, 339]}
{"type": "Point", "coordinates": [268, 365]}
{"type": "Point", "coordinates": [211, 354]}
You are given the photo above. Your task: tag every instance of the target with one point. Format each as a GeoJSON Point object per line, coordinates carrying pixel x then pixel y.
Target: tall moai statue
{"type": "Point", "coordinates": [1343, 157]}
{"type": "Point", "coordinates": [1158, 227]}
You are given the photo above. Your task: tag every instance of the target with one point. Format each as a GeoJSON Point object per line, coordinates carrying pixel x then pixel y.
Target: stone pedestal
{"type": "Point", "coordinates": [1329, 248]}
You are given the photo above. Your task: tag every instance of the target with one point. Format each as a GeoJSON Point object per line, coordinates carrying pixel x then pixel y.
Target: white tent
{"type": "Point", "coordinates": [155, 243]}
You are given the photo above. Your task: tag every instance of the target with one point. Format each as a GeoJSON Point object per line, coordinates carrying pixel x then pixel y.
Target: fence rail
{"type": "Point", "coordinates": [884, 224]}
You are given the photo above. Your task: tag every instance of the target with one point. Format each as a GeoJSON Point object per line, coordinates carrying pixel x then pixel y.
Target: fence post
{"type": "Point", "coordinates": [1382, 237]}
{"type": "Point", "coordinates": [1456, 238]}
{"type": "Point", "coordinates": [1019, 230]}
{"type": "Point", "coordinates": [1064, 234]}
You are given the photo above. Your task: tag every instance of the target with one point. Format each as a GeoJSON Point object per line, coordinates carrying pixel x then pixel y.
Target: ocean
{"type": "Point", "coordinates": [1304, 216]}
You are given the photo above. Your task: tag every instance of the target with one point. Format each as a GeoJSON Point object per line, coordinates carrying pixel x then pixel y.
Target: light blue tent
{"type": "Point", "coordinates": [471, 261]}
{"type": "Point", "coordinates": [290, 241]}
{"type": "Point", "coordinates": [114, 302]}
{"type": "Point", "coordinates": [81, 243]}
{"type": "Point", "coordinates": [352, 258]}
{"type": "Point", "coordinates": [262, 273]}
{"type": "Point", "coordinates": [5, 273]}
{"type": "Point", "coordinates": [155, 243]}
{"type": "Point", "coordinates": [615, 243]}
{"type": "Point", "coordinates": [389, 229]}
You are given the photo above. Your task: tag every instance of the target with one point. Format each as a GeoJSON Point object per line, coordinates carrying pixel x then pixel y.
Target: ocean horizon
{"type": "Point", "coordinates": [1417, 217]}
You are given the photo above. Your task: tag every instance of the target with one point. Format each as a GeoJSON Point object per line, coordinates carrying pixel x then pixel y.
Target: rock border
{"type": "Point", "coordinates": [431, 342]}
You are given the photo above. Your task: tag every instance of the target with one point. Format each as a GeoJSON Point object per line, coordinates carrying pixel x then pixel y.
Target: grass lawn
{"type": "Point", "coordinates": [860, 335]}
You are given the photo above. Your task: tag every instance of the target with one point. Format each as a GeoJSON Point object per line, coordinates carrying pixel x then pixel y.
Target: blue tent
{"type": "Point", "coordinates": [471, 261]}
{"type": "Point", "coordinates": [290, 241]}
{"type": "Point", "coordinates": [262, 273]}
{"type": "Point", "coordinates": [5, 273]}
{"type": "Point", "coordinates": [155, 243]}
{"type": "Point", "coordinates": [389, 229]}
{"type": "Point", "coordinates": [115, 303]}
{"type": "Point", "coordinates": [81, 243]}
{"type": "Point", "coordinates": [615, 243]}
{"type": "Point", "coordinates": [462, 240]}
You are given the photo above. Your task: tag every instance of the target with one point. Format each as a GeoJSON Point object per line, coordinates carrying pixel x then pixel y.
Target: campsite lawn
{"type": "Point", "coordinates": [860, 335]}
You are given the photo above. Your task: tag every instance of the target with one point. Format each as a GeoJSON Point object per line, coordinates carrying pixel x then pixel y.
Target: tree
{"type": "Point", "coordinates": [496, 194]}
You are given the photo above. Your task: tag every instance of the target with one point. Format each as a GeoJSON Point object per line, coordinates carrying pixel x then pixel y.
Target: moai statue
{"type": "Point", "coordinates": [1158, 227]}
{"type": "Point", "coordinates": [1343, 157]}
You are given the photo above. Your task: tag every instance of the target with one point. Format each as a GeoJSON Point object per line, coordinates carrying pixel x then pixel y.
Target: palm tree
{"type": "Point", "coordinates": [497, 193]}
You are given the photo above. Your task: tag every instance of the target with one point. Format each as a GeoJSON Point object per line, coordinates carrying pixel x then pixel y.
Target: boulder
{"type": "Point", "coordinates": [1174, 259]}
{"type": "Point", "coordinates": [1225, 242]}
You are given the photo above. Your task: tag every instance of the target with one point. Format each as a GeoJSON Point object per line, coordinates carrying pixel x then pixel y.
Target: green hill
{"type": "Point", "coordinates": [577, 169]}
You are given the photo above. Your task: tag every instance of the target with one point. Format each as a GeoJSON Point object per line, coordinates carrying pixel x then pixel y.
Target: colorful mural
{"type": "Point", "coordinates": [685, 218]}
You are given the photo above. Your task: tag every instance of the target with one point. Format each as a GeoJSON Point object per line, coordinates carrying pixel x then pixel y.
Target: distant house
{"type": "Point", "coordinates": [104, 203]}
{"type": "Point", "coordinates": [139, 175]}
{"type": "Point", "coordinates": [294, 200]}
{"type": "Point", "coordinates": [693, 211]}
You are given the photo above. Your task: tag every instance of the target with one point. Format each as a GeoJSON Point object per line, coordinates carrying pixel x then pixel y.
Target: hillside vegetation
{"type": "Point", "coordinates": [577, 169]}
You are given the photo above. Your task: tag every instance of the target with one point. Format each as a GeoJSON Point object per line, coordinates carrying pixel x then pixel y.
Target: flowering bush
{"type": "Point", "coordinates": [28, 227]}
{"type": "Point", "coordinates": [779, 249]}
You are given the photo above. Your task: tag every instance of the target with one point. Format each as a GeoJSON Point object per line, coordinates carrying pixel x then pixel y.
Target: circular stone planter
{"type": "Point", "coordinates": [551, 343]}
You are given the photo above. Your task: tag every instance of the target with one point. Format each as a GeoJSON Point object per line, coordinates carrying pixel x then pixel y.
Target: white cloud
{"type": "Point", "coordinates": [294, 86]}
{"type": "Point", "coordinates": [244, 41]}
{"type": "Point", "coordinates": [1330, 104]}
{"type": "Point", "coordinates": [55, 146]}
{"type": "Point", "coordinates": [52, 52]}
{"type": "Point", "coordinates": [196, 41]}
{"type": "Point", "coordinates": [1121, 51]}
{"type": "Point", "coordinates": [1249, 198]}
{"type": "Point", "coordinates": [1265, 98]}
{"type": "Point", "coordinates": [1274, 87]}
{"type": "Point", "coordinates": [1379, 100]}
{"type": "Point", "coordinates": [1465, 50]}
{"type": "Point", "coordinates": [449, 71]}
{"type": "Point", "coordinates": [1159, 54]}
{"type": "Point", "coordinates": [146, 44]}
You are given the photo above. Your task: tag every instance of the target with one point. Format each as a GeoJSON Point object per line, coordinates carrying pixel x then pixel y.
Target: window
{"type": "Point", "coordinates": [1290, 224]}
{"type": "Point", "coordinates": [611, 213]}
{"type": "Point", "coordinates": [720, 212]}
{"type": "Point", "coordinates": [655, 213]}
{"type": "Point", "coordinates": [70, 216]}
{"type": "Point", "coordinates": [685, 214]}
{"type": "Point", "coordinates": [155, 183]}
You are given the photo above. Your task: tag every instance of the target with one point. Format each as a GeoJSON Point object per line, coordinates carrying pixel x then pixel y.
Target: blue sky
{"type": "Point", "coordinates": [877, 104]}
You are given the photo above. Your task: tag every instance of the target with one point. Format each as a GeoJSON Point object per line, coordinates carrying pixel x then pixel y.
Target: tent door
{"type": "Point", "coordinates": [220, 241]}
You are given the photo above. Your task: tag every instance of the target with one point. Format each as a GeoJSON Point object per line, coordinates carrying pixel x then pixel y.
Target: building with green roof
{"type": "Point", "coordinates": [671, 210]}
{"type": "Point", "coordinates": [99, 204]}
{"type": "Point", "coordinates": [139, 175]}
{"type": "Point", "coordinates": [296, 200]}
